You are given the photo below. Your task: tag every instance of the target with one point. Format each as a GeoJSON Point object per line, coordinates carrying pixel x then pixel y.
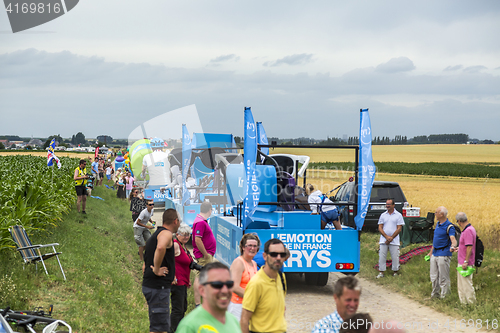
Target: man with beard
{"type": "Point", "coordinates": [264, 301]}
{"type": "Point", "coordinates": [216, 288]}
{"type": "Point", "coordinates": [346, 293]}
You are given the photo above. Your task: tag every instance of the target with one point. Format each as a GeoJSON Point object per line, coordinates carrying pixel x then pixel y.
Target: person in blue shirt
{"type": "Point", "coordinates": [95, 169]}
{"type": "Point", "coordinates": [443, 244]}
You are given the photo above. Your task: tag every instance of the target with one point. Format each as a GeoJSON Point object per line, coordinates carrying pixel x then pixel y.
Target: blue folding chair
{"type": "Point", "coordinates": [31, 253]}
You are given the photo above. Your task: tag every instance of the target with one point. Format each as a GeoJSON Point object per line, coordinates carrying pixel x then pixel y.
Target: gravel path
{"type": "Point", "coordinates": [307, 304]}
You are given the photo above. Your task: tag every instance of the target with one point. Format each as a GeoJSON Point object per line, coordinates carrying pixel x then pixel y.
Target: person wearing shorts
{"type": "Point", "coordinates": [204, 244]}
{"type": "Point", "coordinates": [101, 171]}
{"type": "Point", "coordinates": [141, 228]}
{"type": "Point", "coordinates": [109, 171]}
{"type": "Point", "coordinates": [94, 168]}
{"type": "Point", "coordinates": [329, 213]}
{"type": "Point", "coordinates": [80, 178]}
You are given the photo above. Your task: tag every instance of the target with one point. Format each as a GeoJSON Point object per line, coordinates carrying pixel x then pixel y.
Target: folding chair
{"type": "Point", "coordinates": [421, 228]}
{"type": "Point", "coordinates": [31, 253]}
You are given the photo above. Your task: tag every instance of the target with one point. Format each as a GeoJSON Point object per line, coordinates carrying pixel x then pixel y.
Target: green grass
{"type": "Point", "coordinates": [414, 281]}
{"type": "Point", "coordinates": [103, 288]}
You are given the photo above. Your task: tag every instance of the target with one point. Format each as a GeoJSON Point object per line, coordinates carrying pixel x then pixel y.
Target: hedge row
{"type": "Point", "coordinates": [427, 168]}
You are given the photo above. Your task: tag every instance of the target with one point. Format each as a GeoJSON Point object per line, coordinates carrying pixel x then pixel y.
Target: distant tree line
{"type": "Point", "coordinates": [384, 140]}
{"type": "Point", "coordinates": [79, 139]}
{"type": "Point", "coordinates": [441, 138]}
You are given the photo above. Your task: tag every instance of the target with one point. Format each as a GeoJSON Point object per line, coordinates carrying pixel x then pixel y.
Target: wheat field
{"type": "Point", "coordinates": [406, 153]}
{"type": "Point", "coordinates": [477, 197]}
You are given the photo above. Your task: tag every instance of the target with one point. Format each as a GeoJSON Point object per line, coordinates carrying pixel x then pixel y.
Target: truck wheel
{"type": "Point", "coordinates": [322, 279]}
{"type": "Point", "coordinates": [311, 278]}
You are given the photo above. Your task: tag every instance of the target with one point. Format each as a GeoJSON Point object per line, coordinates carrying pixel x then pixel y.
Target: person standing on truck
{"type": "Point", "coordinates": [390, 225]}
{"type": "Point", "coordinates": [329, 213]}
{"type": "Point", "coordinates": [159, 272]}
{"type": "Point", "coordinates": [243, 269]}
{"type": "Point", "coordinates": [346, 293]}
{"type": "Point", "coordinates": [443, 243]}
{"type": "Point", "coordinates": [466, 258]}
{"type": "Point", "coordinates": [264, 301]}
{"type": "Point", "coordinates": [204, 244]}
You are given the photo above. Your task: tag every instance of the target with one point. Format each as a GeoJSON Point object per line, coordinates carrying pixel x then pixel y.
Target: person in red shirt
{"type": "Point", "coordinates": [466, 257]}
{"type": "Point", "coordinates": [181, 282]}
{"type": "Point", "coordinates": [204, 244]}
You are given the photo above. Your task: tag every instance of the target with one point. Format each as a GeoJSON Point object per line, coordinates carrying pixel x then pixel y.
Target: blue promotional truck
{"type": "Point", "coordinates": [265, 198]}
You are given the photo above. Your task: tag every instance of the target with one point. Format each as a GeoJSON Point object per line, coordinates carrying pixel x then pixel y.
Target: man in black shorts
{"type": "Point", "coordinates": [159, 271]}
{"type": "Point", "coordinates": [80, 176]}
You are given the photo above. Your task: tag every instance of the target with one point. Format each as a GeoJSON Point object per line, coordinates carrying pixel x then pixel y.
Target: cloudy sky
{"type": "Point", "coordinates": [305, 67]}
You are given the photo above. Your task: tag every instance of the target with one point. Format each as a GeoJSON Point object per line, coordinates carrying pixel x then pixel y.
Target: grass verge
{"type": "Point", "coordinates": [103, 288]}
{"type": "Point", "coordinates": [414, 282]}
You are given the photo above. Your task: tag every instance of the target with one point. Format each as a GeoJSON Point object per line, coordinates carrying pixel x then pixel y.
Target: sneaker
{"type": "Point", "coordinates": [380, 275]}
{"type": "Point", "coordinates": [83, 212]}
{"type": "Point", "coordinates": [395, 274]}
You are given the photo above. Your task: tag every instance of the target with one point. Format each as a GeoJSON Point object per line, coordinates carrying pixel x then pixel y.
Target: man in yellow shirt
{"type": "Point", "coordinates": [264, 298]}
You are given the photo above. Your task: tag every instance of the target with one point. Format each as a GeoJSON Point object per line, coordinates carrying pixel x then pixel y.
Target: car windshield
{"type": "Point", "coordinates": [382, 193]}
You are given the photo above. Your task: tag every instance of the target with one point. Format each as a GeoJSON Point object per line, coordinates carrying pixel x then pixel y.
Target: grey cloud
{"type": "Point", "coordinates": [223, 58]}
{"type": "Point", "coordinates": [396, 65]}
{"type": "Point", "coordinates": [292, 60]}
{"type": "Point", "coordinates": [474, 69]}
{"type": "Point", "coordinates": [453, 68]}
{"type": "Point", "coordinates": [63, 84]}
{"type": "Point", "coordinates": [39, 68]}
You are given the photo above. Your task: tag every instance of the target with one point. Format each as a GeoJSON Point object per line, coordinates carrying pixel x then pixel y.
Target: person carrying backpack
{"type": "Point", "coordinates": [466, 258]}
{"type": "Point", "coordinates": [443, 244]}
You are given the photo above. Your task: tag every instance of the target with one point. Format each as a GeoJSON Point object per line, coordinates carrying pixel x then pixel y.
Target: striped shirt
{"type": "Point", "coordinates": [329, 324]}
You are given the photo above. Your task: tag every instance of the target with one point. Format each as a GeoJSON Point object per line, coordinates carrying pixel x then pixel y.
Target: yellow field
{"type": "Point", "coordinates": [478, 198]}
{"type": "Point", "coordinates": [414, 153]}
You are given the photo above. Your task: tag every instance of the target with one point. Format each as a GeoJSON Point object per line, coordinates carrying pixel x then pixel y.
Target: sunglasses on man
{"type": "Point", "coordinates": [275, 254]}
{"type": "Point", "coordinates": [220, 284]}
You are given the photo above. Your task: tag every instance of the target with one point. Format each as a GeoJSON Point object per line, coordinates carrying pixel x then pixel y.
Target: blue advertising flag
{"type": "Point", "coordinates": [51, 156]}
{"type": "Point", "coordinates": [366, 168]}
{"type": "Point", "coordinates": [252, 193]}
{"type": "Point", "coordinates": [262, 137]}
{"type": "Point", "coordinates": [186, 161]}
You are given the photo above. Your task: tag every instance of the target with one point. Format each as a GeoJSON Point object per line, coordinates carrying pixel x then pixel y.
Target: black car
{"type": "Point", "coordinates": [381, 191]}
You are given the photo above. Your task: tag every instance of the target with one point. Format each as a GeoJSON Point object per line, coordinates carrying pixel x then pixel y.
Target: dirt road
{"type": "Point", "coordinates": [307, 304]}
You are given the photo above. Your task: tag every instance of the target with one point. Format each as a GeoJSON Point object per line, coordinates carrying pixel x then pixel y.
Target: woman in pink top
{"type": "Point", "coordinates": [183, 259]}
{"type": "Point", "coordinates": [242, 270]}
{"type": "Point", "coordinates": [130, 184]}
